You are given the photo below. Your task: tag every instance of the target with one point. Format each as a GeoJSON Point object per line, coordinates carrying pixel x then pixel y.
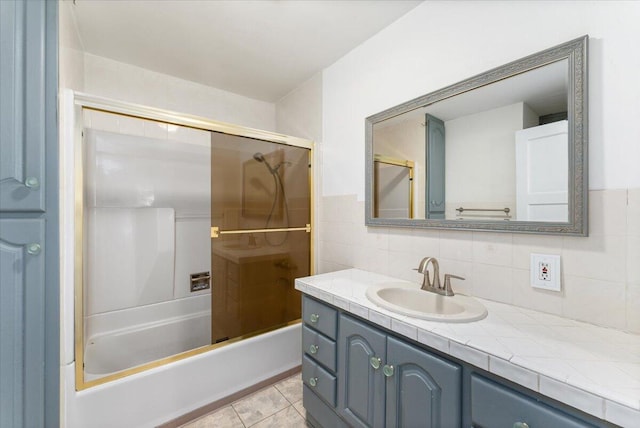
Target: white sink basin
{"type": "Point", "coordinates": [408, 299]}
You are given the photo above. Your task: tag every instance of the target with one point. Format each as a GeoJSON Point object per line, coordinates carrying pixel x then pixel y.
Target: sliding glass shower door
{"type": "Point", "coordinates": [260, 234]}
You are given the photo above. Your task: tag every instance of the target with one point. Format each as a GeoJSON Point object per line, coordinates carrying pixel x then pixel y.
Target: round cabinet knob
{"type": "Point", "coordinates": [314, 349]}
{"type": "Point", "coordinates": [32, 183]}
{"type": "Point", "coordinates": [387, 370]}
{"type": "Point", "coordinates": [314, 318]}
{"type": "Point", "coordinates": [34, 249]}
{"type": "Point", "coordinates": [313, 381]}
{"type": "Point", "coordinates": [520, 425]}
{"type": "Point", "coordinates": [375, 362]}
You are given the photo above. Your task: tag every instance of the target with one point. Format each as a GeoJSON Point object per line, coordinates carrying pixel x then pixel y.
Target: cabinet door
{"type": "Point", "coordinates": [361, 355]}
{"type": "Point", "coordinates": [22, 105]}
{"type": "Point", "coordinates": [22, 319]}
{"type": "Point", "coordinates": [423, 390]}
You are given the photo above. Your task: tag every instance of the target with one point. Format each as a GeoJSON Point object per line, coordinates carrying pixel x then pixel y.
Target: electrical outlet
{"type": "Point", "coordinates": [545, 272]}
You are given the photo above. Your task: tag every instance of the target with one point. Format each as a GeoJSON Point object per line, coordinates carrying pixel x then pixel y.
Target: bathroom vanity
{"type": "Point", "coordinates": [365, 366]}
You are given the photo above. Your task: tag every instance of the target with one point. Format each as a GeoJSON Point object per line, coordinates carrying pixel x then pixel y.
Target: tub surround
{"type": "Point", "coordinates": [591, 368]}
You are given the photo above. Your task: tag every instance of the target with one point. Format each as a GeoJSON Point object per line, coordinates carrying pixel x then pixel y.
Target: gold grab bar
{"type": "Point", "coordinates": [216, 232]}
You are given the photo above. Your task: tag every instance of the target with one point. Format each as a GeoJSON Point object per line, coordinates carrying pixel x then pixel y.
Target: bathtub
{"type": "Point", "coordinates": [119, 340]}
{"type": "Point", "coordinates": [155, 396]}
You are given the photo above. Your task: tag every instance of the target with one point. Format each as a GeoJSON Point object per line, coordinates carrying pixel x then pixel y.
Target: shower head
{"type": "Point", "coordinates": [260, 158]}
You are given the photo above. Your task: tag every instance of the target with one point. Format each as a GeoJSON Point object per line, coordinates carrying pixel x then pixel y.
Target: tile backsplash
{"type": "Point", "coordinates": [600, 273]}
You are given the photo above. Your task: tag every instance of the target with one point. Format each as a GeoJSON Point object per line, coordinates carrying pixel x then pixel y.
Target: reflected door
{"type": "Point", "coordinates": [260, 219]}
{"type": "Point", "coordinates": [542, 180]}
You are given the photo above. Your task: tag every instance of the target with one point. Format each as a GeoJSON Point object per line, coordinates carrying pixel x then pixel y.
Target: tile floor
{"type": "Point", "coordinates": [276, 406]}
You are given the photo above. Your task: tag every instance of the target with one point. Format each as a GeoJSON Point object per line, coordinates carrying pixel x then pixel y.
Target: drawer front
{"type": "Point", "coordinates": [318, 347]}
{"type": "Point", "coordinates": [319, 380]}
{"type": "Point", "coordinates": [322, 416]}
{"type": "Point", "coordinates": [320, 316]}
{"type": "Point", "coordinates": [494, 405]}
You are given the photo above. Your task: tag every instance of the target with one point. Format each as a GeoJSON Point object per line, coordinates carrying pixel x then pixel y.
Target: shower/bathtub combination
{"type": "Point", "coordinates": [191, 239]}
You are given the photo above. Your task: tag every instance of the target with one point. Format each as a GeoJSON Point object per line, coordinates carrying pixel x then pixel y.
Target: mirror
{"type": "Point", "coordinates": [504, 150]}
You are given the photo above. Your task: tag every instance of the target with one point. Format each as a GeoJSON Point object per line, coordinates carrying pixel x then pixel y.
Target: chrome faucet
{"type": "Point", "coordinates": [435, 286]}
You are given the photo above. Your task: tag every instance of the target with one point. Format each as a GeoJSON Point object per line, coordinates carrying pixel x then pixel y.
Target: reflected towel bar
{"type": "Point", "coordinates": [505, 210]}
{"type": "Point", "coordinates": [216, 232]}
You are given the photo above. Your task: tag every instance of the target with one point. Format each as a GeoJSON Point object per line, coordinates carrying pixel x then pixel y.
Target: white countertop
{"type": "Point", "coordinates": [594, 369]}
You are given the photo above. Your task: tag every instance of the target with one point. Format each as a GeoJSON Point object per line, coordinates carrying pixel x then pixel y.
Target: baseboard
{"type": "Point", "coordinates": [211, 407]}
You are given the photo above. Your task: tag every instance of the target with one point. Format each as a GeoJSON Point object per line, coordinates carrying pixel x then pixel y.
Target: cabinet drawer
{"type": "Point", "coordinates": [320, 317]}
{"type": "Point", "coordinates": [322, 416]}
{"type": "Point", "coordinates": [318, 347]}
{"type": "Point", "coordinates": [494, 405]}
{"type": "Point", "coordinates": [319, 380]}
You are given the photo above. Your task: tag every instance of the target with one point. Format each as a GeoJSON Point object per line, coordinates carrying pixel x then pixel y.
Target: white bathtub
{"type": "Point", "coordinates": [158, 395]}
{"type": "Point", "coordinates": [118, 350]}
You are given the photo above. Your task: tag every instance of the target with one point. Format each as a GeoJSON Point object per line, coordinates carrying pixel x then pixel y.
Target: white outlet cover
{"type": "Point", "coordinates": [553, 282]}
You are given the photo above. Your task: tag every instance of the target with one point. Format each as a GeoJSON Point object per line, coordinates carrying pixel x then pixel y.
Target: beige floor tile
{"type": "Point", "coordinates": [260, 405]}
{"type": "Point", "coordinates": [223, 418]}
{"type": "Point", "coordinates": [287, 418]}
{"type": "Point", "coordinates": [300, 408]}
{"type": "Point", "coordinates": [291, 388]}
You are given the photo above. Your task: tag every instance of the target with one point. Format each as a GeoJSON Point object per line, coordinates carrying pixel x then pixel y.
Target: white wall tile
{"type": "Point", "coordinates": [633, 212]}
{"type": "Point", "coordinates": [525, 244]}
{"type": "Point", "coordinates": [492, 248]}
{"type": "Point", "coordinates": [526, 296]}
{"type": "Point", "coordinates": [155, 129]}
{"type": "Point", "coordinates": [104, 121]}
{"type": "Point", "coordinates": [595, 301]}
{"type": "Point", "coordinates": [633, 307]}
{"type": "Point", "coordinates": [607, 212]}
{"type": "Point", "coordinates": [131, 126]}
{"type": "Point", "coordinates": [425, 243]}
{"type": "Point", "coordinates": [633, 259]}
{"type": "Point", "coordinates": [595, 267]}
{"type": "Point", "coordinates": [493, 282]}
{"type": "Point", "coordinates": [599, 257]}
{"type": "Point", "coordinates": [456, 245]}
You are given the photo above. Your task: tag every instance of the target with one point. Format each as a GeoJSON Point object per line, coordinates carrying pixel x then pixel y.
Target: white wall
{"type": "Point", "coordinates": [480, 162]}
{"type": "Point", "coordinates": [125, 82]}
{"type": "Point", "coordinates": [440, 43]}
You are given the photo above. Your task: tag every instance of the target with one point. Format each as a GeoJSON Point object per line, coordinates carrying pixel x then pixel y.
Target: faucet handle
{"type": "Point", "coordinates": [447, 283]}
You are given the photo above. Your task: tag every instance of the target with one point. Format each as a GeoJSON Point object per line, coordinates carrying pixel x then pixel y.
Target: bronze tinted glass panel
{"type": "Point", "coordinates": [257, 185]}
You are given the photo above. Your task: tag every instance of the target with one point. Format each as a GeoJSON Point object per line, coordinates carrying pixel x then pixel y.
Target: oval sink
{"type": "Point", "coordinates": [409, 299]}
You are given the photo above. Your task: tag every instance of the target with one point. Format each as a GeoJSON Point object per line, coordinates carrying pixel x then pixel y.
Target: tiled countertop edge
{"type": "Point", "coordinates": [581, 399]}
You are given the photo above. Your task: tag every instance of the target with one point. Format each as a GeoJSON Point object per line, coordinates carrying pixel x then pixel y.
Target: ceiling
{"type": "Point", "coordinates": [262, 49]}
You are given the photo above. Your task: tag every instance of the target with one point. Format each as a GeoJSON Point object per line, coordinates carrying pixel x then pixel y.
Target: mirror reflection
{"type": "Point", "coordinates": [499, 152]}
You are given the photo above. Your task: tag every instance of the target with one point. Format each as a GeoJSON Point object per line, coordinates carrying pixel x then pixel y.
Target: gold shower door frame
{"type": "Point", "coordinates": [401, 163]}
{"type": "Point", "coordinates": [74, 103]}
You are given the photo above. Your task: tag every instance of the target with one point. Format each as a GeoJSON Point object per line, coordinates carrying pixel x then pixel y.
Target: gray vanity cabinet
{"type": "Point", "coordinates": [380, 379]}
{"type": "Point", "coordinates": [362, 352]}
{"type": "Point", "coordinates": [422, 390]}
{"type": "Point", "coordinates": [494, 405]}
{"type": "Point", "coordinates": [383, 381]}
